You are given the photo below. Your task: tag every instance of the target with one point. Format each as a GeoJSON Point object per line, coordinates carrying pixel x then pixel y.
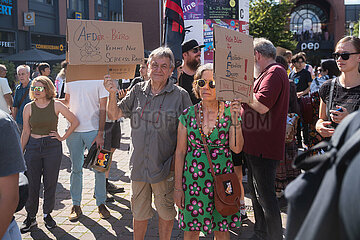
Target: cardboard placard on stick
{"type": "Point", "coordinates": [104, 43]}
{"type": "Point", "coordinates": [234, 64]}
{"type": "Point", "coordinates": [97, 72]}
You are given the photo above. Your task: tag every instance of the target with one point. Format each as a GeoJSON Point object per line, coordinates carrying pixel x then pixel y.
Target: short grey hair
{"type": "Point", "coordinates": [23, 67]}
{"type": "Point", "coordinates": [265, 47]}
{"type": "Point", "coordinates": [198, 75]}
{"type": "Point", "coordinates": [2, 67]}
{"type": "Point", "coordinates": [163, 52]}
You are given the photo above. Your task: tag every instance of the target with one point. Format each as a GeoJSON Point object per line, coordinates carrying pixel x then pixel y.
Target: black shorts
{"type": "Point", "coordinates": [238, 158]}
{"type": "Point", "coordinates": [112, 135]}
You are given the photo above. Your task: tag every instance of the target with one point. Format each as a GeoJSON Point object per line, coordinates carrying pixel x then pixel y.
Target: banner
{"type": "Point", "coordinates": [234, 65]}
{"type": "Point", "coordinates": [222, 9]}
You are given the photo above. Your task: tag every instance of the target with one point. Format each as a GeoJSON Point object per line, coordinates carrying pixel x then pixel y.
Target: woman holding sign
{"type": "Point", "coordinates": [218, 124]}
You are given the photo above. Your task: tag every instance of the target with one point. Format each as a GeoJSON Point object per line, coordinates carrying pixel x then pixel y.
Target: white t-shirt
{"type": "Point", "coordinates": [4, 89]}
{"type": "Point", "coordinates": [85, 102]}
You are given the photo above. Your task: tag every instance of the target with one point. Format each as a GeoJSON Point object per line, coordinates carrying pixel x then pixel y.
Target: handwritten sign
{"type": "Point", "coordinates": [104, 42]}
{"type": "Point", "coordinates": [97, 72]}
{"type": "Point", "coordinates": [234, 64]}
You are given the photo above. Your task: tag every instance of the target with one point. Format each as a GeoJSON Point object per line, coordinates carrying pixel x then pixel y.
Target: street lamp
{"type": "Point", "coordinates": [351, 26]}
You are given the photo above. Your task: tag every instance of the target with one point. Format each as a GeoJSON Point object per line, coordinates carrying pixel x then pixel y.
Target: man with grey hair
{"type": "Point", "coordinates": [264, 125]}
{"type": "Point", "coordinates": [153, 107]}
{"type": "Point", "coordinates": [6, 100]}
{"type": "Point", "coordinates": [21, 97]}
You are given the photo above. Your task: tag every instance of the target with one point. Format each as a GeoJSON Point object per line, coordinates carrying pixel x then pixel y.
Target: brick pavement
{"type": "Point", "coordinates": [119, 225]}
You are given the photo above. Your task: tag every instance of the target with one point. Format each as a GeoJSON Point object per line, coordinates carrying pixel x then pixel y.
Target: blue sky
{"type": "Point", "coordinates": [352, 1]}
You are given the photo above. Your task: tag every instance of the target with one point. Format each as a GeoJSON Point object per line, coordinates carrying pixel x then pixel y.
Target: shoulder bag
{"type": "Point", "coordinates": [226, 186]}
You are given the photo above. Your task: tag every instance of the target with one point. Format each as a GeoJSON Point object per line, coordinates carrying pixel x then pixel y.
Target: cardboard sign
{"type": "Point", "coordinates": [97, 72]}
{"type": "Point", "coordinates": [104, 42]}
{"type": "Point", "coordinates": [234, 64]}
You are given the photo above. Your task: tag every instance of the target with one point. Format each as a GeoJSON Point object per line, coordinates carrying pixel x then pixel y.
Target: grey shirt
{"type": "Point", "coordinates": [154, 122]}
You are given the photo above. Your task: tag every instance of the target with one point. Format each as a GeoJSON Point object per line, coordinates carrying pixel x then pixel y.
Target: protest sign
{"type": "Point", "coordinates": [97, 72]}
{"type": "Point", "coordinates": [234, 64]}
{"type": "Point", "coordinates": [104, 42]}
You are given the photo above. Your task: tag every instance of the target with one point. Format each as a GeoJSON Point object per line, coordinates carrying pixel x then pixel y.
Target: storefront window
{"type": "Point", "coordinates": [102, 9]}
{"type": "Point", "coordinates": [50, 2]}
{"type": "Point", "coordinates": [308, 22]}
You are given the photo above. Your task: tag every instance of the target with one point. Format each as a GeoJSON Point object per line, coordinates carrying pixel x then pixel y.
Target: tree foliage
{"type": "Point", "coordinates": [270, 19]}
{"type": "Point", "coordinates": [356, 29]}
{"type": "Point", "coordinates": [11, 73]}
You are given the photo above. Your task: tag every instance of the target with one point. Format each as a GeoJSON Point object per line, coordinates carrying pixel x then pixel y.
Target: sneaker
{"type": "Point", "coordinates": [28, 224]}
{"type": "Point", "coordinates": [103, 212]}
{"type": "Point", "coordinates": [244, 217]}
{"type": "Point", "coordinates": [112, 188]}
{"type": "Point", "coordinates": [75, 213]}
{"type": "Point", "coordinates": [49, 222]}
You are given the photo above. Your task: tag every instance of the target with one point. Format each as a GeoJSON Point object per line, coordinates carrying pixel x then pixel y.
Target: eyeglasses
{"type": "Point", "coordinates": [344, 56]}
{"type": "Point", "coordinates": [201, 83]}
{"type": "Point", "coordinates": [37, 89]}
{"type": "Point", "coordinates": [297, 62]}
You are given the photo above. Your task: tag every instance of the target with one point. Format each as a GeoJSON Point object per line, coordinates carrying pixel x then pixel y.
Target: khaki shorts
{"type": "Point", "coordinates": [141, 198]}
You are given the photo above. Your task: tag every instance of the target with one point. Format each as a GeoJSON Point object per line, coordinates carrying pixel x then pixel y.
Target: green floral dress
{"type": "Point", "coordinates": [199, 213]}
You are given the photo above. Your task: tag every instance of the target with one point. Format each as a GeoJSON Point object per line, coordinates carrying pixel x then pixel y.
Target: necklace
{"type": "Point", "coordinates": [202, 119]}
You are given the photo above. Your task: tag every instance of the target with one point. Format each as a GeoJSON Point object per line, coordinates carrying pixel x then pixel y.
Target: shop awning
{"type": "Point", "coordinates": [34, 55]}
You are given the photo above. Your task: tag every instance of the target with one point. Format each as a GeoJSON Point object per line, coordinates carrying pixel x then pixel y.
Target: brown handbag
{"type": "Point", "coordinates": [226, 186]}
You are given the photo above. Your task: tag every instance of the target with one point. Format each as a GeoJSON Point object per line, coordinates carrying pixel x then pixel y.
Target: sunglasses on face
{"type": "Point", "coordinates": [201, 83]}
{"type": "Point", "coordinates": [344, 56]}
{"type": "Point", "coordinates": [196, 50]}
{"type": "Point", "coordinates": [37, 89]}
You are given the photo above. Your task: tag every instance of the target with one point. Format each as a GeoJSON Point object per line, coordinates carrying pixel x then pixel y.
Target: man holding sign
{"type": "Point", "coordinates": [153, 107]}
{"type": "Point", "coordinates": [264, 125]}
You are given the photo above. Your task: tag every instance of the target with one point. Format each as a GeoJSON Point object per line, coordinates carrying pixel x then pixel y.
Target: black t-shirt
{"type": "Point", "coordinates": [186, 81]}
{"type": "Point", "coordinates": [301, 79]}
{"type": "Point", "coordinates": [345, 97]}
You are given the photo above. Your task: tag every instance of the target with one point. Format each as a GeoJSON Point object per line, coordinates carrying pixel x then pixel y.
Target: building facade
{"type": "Point", "coordinates": [41, 24]}
{"type": "Point", "coordinates": [317, 25]}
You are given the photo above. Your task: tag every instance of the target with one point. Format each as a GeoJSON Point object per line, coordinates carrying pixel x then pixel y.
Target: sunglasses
{"type": "Point", "coordinates": [196, 50]}
{"type": "Point", "coordinates": [38, 89]}
{"type": "Point", "coordinates": [201, 83]}
{"type": "Point", "coordinates": [344, 56]}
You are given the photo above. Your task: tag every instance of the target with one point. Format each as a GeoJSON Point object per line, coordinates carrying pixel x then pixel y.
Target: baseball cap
{"type": "Point", "coordinates": [191, 44]}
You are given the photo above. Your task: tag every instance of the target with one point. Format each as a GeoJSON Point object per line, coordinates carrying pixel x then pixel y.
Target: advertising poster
{"type": "Point", "coordinates": [193, 9]}
{"type": "Point", "coordinates": [244, 10]}
{"type": "Point", "coordinates": [208, 33]}
{"type": "Point", "coordinates": [195, 31]}
{"type": "Point", "coordinates": [234, 61]}
{"type": "Point", "coordinates": [221, 9]}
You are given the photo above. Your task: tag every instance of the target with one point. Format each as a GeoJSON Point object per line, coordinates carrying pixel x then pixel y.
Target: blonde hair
{"type": "Point", "coordinates": [198, 75]}
{"type": "Point", "coordinates": [48, 86]}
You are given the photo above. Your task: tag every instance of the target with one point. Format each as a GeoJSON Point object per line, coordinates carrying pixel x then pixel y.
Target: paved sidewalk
{"type": "Point", "coordinates": [119, 225]}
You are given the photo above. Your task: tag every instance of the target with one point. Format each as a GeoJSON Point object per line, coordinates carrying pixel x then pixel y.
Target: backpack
{"type": "Point", "coordinates": [314, 196]}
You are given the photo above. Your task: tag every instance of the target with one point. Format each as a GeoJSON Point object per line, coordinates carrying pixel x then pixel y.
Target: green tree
{"type": "Point", "coordinates": [270, 19]}
{"type": "Point", "coordinates": [11, 73]}
{"type": "Point", "coordinates": [356, 29]}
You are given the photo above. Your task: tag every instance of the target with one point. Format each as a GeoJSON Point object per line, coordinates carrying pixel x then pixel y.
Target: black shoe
{"type": "Point", "coordinates": [49, 222]}
{"type": "Point", "coordinates": [28, 224]}
{"type": "Point", "coordinates": [112, 188]}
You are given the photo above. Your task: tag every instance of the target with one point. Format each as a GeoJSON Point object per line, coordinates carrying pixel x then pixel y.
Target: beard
{"type": "Point", "coordinates": [193, 64]}
{"type": "Point", "coordinates": [257, 70]}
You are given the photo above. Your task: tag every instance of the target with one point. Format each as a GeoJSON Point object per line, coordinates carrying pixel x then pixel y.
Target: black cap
{"type": "Point", "coordinates": [191, 44]}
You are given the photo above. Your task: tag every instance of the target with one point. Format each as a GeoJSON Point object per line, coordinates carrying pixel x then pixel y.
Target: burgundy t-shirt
{"type": "Point", "coordinates": [264, 134]}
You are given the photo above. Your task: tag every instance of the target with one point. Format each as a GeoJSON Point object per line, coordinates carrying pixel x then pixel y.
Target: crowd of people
{"type": "Point", "coordinates": [181, 136]}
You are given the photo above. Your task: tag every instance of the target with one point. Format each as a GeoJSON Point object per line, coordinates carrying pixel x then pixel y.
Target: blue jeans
{"type": "Point", "coordinates": [261, 181]}
{"type": "Point", "coordinates": [12, 232]}
{"type": "Point", "coordinates": [76, 143]}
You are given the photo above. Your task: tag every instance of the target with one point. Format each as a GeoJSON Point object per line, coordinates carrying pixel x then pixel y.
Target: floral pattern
{"type": "Point", "coordinates": [200, 213]}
